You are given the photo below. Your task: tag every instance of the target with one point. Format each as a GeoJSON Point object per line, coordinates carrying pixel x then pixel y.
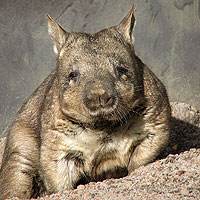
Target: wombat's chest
{"type": "Point", "coordinates": [102, 155]}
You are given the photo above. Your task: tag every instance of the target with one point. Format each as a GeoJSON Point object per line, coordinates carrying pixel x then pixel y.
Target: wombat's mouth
{"type": "Point", "coordinates": [106, 121]}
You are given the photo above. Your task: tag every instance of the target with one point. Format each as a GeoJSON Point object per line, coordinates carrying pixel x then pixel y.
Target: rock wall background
{"type": "Point", "coordinates": [167, 38]}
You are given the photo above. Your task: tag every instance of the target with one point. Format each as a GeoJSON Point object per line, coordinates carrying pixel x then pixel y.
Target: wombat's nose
{"type": "Point", "coordinates": [97, 97]}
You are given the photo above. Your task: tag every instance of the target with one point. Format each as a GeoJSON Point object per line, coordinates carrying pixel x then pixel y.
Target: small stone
{"type": "Point", "coordinates": [129, 184]}
{"type": "Point", "coordinates": [81, 187]}
{"type": "Point", "coordinates": [149, 183]}
{"type": "Point", "coordinates": [185, 192]}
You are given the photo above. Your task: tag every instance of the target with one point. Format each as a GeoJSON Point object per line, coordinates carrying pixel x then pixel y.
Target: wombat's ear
{"type": "Point", "coordinates": [57, 33]}
{"type": "Point", "coordinates": [126, 26]}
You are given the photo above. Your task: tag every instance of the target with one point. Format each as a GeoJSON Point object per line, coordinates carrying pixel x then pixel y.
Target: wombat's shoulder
{"type": "Point", "coordinates": [31, 110]}
{"type": "Point", "coordinates": [154, 89]}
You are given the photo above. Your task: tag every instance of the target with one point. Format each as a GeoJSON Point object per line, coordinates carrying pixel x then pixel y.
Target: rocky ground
{"type": "Point", "coordinates": [174, 175]}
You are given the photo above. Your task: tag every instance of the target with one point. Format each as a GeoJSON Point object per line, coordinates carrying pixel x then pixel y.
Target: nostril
{"type": "Point", "coordinates": [105, 100]}
{"type": "Point", "coordinates": [109, 100]}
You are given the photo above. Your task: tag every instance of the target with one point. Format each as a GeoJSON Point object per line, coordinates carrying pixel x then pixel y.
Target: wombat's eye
{"type": "Point", "coordinates": [72, 75]}
{"type": "Point", "coordinates": [122, 70]}
{"type": "Point", "coordinates": [122, 73]}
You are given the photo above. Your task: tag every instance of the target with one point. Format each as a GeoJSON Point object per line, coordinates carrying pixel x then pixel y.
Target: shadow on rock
{"type": "Point", "coordinates": [185, 133]}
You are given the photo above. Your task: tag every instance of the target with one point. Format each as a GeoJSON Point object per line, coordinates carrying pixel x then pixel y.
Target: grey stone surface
{"type": "Point", "coordinates": [167, 38]}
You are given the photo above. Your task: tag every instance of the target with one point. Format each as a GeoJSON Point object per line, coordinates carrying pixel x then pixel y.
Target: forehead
{"type": "Point", "coordinates": [103, 46]}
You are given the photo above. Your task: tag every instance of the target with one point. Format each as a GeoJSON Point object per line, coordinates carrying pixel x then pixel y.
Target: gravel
{"type": "Point", "coordinates": [174, 175]}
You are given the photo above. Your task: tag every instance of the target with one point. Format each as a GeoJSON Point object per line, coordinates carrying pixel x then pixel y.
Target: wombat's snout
{"type": "Point", "coordinates": [99, 97]}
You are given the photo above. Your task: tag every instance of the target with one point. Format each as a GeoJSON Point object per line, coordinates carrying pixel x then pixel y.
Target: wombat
{"type": "Point", "coordinates": [100, 114]}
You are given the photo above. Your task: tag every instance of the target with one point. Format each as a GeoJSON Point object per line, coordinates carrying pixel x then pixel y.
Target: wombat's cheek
{"type": "Point", "coordinates": [126, 91]}
{"type": "Point", "coordinates": [72, 107]}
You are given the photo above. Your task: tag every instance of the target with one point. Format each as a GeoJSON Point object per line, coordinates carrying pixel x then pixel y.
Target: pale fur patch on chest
{"type": "Point", "coordinates": [102, 150]}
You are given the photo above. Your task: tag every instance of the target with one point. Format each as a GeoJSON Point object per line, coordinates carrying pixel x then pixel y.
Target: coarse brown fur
{"type": "Point", "coordinates": [100, 114]}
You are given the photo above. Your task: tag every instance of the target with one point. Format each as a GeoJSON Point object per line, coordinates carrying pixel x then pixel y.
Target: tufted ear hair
{"type": "Point", "coordinates": [127, 25]}
{"type": "Point", "coordinates": [57, 33]}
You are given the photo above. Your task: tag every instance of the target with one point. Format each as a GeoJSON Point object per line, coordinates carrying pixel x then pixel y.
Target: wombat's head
{"type": "Point", "coordinates": [98, 78]}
